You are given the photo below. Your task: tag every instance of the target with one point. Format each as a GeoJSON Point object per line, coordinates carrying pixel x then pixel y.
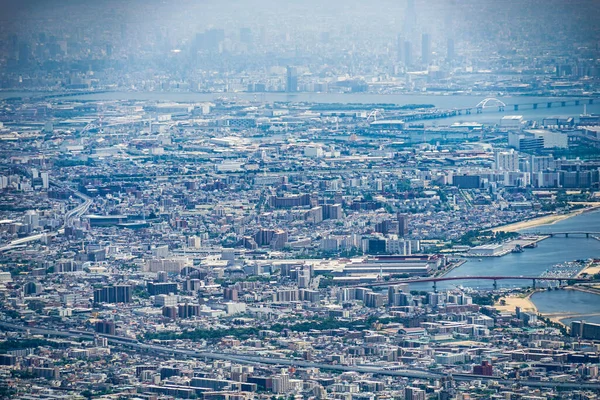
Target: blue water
{"type": "Point", "coordinates": [532, 262]}
{"type": "Point", "coordinates": [562, 301]}
{"type": "Point", "coordinates": [565, 301]}
{"type": "Point", "coordinates": [490, 115]}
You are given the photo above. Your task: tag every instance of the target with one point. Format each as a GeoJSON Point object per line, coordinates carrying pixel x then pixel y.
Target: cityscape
{"type": "Point", "coordinates": [299, 199]}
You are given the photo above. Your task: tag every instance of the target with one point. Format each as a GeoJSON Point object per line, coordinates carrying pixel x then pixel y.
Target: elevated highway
{"type": "Point", "coordinates": [260, 360]}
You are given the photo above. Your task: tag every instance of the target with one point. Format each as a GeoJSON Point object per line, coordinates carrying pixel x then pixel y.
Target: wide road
{"type": "Point", "coordinates": [259, 360]}
{"type": "Point", "coordinates": [76, 212]}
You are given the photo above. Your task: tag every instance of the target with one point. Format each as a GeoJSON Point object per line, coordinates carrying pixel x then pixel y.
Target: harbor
{"type": "Point", "coordinates": [527, 241]}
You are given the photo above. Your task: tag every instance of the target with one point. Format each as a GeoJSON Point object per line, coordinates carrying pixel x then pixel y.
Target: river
{"type": "Point", "coordinates": [490, 115]}
{"type": "Point", "coordinates": [532, 262]}
{"type": "Point", "coordinates": [568, 301]}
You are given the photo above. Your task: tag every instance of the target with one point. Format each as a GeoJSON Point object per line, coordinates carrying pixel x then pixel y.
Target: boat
{"type": "Point", "coordinates": [517, 249]}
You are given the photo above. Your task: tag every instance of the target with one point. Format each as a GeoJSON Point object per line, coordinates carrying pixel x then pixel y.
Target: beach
{"type": "Point", "coordinates": [545, 220]}
{"type": "Point", "coordinates": [512, 302]}
{"type": "Point", "coordinates": [591, 269]}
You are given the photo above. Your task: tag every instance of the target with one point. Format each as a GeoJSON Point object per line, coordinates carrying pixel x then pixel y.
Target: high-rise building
{"type": "Point", "coordinates": [45, 180]}
{"type": "Point", "coordinates": [106, 327]}
{"type": "Point", "coordinates": [484, 369]}
{"type": "Point", "coordinates": [304, 277]}
{"type": "Point", "coordinates": [399, 47]}
{"type": "Point", "coordinates": [506, 160]}
{"type": "Point", "coordinates": [402, 225]}
{"type": "Point", "coordinates": [410, 19]}
{"type": "Point", "coordinates": [407, 54]}
{"type": "Point", "coordinates": [113, 294]}
{"type": "Point", "coordinates": [292, 80]}
{"type": "Point", "coordinates": [156, 288]}
{"type": "Point", "coordinates": [230, 294]}
{"type": "Point", "coordinates": [426, 49]}
{"type": "Point", "coordinates": [450, 50]}
{"type": "Point", "coordinates": [332, 211]}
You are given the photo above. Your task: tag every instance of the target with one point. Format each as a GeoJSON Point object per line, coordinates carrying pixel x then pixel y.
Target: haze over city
{"type": "Point", "coordinates": [299, 199]}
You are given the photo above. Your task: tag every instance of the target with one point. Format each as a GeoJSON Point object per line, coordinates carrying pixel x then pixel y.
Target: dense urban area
{"type": "Point", "coordinates": [300, 200]}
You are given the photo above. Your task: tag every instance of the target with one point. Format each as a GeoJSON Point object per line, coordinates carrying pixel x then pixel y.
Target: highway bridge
{"type": "Point", "coordinates": [75, 212]}
{"type": "Point", "coordinates": [571, 234]}
{"type": "Point", "coordinates": [434, 280]}
{"type": "Point", "coordinates": [496, 104]}
{"type": "Point", "coordinates": [413, 373]}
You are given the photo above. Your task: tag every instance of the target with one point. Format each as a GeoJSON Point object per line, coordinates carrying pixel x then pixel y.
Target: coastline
{"type": "Point", "coordinates": [512, 302]}
{"type": "Point", "coordinates": [545, 220]}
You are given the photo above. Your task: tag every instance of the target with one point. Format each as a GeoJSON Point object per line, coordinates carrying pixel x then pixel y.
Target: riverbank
{"type": "Point", "coordinates": [449, 268]}
{"type": "Point", "coordinates": [510, 303]}
{"type": "Point", "coordinates": [591, 269]}
{"type": "Point", "coordinates": [545, 220]}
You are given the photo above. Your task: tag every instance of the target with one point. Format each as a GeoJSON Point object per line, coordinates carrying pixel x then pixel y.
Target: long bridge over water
{"type": "Point", "coordinates": [587, 234]}
{"type": "Point", "coordinates": [435, 280]}
{"type": "Point", "coordinates": [499, 105]}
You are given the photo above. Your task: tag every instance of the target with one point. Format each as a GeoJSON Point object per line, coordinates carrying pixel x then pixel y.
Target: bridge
{"type": "Point", "coordinates": [571, 233]}
{"type": "Point", "coordinates": [493, 103]}
{"type": "Point", "coordinates": [435, 280]}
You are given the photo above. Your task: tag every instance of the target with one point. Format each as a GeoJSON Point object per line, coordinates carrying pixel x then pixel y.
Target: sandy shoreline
{"type": "Point", "coordinates": [591, 269]}
{"type": "Point", "coordinates": [545, 220]}
{"type": "Point", "coordinates": [512, 302]}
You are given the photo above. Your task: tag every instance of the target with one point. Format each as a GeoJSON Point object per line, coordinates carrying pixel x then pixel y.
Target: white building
{"type": "Point", "coordinates": [165, 300]}
{"type": "Point", "coordinates": [506, 160]}
{"type": "Point", "coordinates": [313, 151]}
{"type": "Point", "coordinates": [511, 121]}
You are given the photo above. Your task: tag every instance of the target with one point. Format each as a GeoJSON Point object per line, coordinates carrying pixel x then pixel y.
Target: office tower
{"type": "Point", "coordinates": [246, 35]}
{"type": "Point", "coordinates": [410, 19]}
{"type": "Point", "coordinates": [292, 80]}
{"type": "Point", "coordinates": [402, 224]}
{"type": "Point", "coordinates": [407, 55]}
{"type": "Point", "coordinates": [426, 49]}
{"type": "Point", "coordinates": [450, 50]}
{"type": "Point", "coordinates": [399, 47]}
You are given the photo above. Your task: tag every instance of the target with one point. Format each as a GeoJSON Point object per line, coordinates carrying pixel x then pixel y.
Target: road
{"type": "Point", "coordinates": [258, 360]}
{"type": "Point", "coordinates": [76, 212]}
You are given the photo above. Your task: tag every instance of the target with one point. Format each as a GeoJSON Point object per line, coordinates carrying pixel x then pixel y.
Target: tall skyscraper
{"type": "Point", "coordinates": [426, 49]}
{"type": "Point", "coordinates": [399, 47]}
{"type": "Point", "coordinates": [292, 80]}
{"type": "Point", "coordinates": [407, 54]}
{"type": "Point", "coordinates": [410, 20]}
{"type": "Point", "coordinates": [450, 50]}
